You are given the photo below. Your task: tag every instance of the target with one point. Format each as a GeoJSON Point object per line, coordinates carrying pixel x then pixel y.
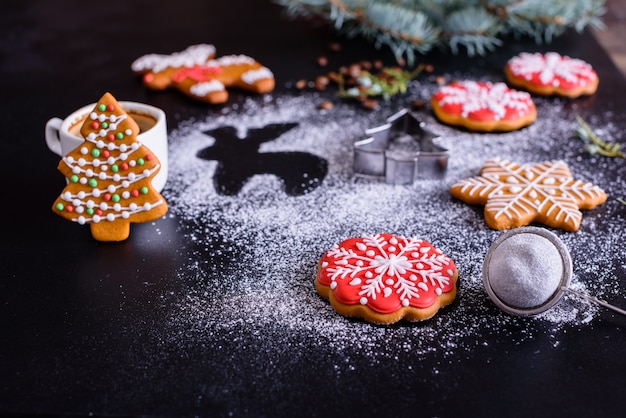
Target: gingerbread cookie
{"type": "Point", "coordinates": [551, 74]}
{"type": "Point", "coordinates": [198, 74]}
{"type": "Point", "coordinates": [483, 106]}
{"type": "Point", "coordinates": [515, 195]}
{"type": "Point", "coordinates": [109, 176]}
{"type": "Point", "coordinates": [384, 278]}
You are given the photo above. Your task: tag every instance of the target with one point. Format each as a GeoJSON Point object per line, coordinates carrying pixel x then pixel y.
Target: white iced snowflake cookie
{"type": "Point", "coordinates": [384, 278]}
{"type": "Point", "coordinates": [516, 195]}
{"type": "Point", "coordinates": [483, 106]}
{"type": "Point", "coordinates": [551, 74]}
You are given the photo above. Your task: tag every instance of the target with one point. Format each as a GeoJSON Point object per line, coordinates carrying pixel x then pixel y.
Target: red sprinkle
{"type": "Point", "coordinates": [111, 107]}
{"type": "Point", "coordinates": [95, 125]}
{"type": "Point", "coordinates": [106, 153]}
{"type": "Point", "coordinates": [69, 208]}
{"type": "Point", "coordinates": [135, 193]}
{"type": "Point", "coordinates": [111, 137]}
{"type": "Point", "coordinates": [107, 196]}
{"type": "Point", "coordinates": [124, 166]}
{"type": "Point", "coordinates": [99, 212]}
{"type": "Point", "coordinates": [148, 77]}
{"type": "Point", "coordinates": [148, 157]}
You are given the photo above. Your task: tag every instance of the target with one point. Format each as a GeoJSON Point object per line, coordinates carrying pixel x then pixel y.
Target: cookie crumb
{"type": "Point", "coordinates": [370, 104]}
{"type": "Point", "coordinates": [321, 82]}
{"type": "Point", "coordinates": [326, 105]}
{"type": "Point", "coordinates": [418, 104]}
{"type": "Point", "coordinates": [334, 46]}
{"type": "Point", "coordinates": [322, 61]}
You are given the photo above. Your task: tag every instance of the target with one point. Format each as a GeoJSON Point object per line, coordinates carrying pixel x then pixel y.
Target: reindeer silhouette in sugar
{"type": "Point", "coordinates": [238, 159]}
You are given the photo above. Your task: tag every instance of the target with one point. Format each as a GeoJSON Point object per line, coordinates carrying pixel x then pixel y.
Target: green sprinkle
{"type": "Point", "coordinates": [115, 198]}
{"type": "Point", "coordinates": [93, 182]}
{"type": "Point", "coordinates": [119, 135]}
{"type": "Point", "coordinates": [90, 211]}
{"type": "Point", "coordinates": [74, 178]}
{"type": "Point", "coordinates": [115, 168]}
{"type": "Point", "coordinates": [144, 190]}
{"type": "Point", "coordinates": [140, 161]}
{"type": "Point", "coordinates": [60, 206]}
{"type": "Point", "coordinates": [95, 152]}
{"type": "Point", "coordinates": [105, 125]}
{"type": "Point", "coordinates": [102, 107]}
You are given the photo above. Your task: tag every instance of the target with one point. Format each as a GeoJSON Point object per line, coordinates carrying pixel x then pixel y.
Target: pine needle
{"type": "Point", "coordinates": [594, 144]}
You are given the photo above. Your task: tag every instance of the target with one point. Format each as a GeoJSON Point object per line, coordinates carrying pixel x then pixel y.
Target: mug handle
{"type": "Point", "coordinates": [53, 140]}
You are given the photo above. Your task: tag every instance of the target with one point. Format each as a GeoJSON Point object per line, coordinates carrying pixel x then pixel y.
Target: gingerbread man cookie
{"type": "Point", "coordinates": [198, 74]}
{"type": "Point", "coordinates": [483, 106]}
{"type": "Point", "coordinates": [515, 195]}
{"type": "Point", "coordinates": [551, 74]}
{"type": "Point", "coordinates": [385, 278]}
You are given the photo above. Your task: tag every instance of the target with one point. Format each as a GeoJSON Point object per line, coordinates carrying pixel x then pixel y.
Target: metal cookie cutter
{"type": "Point", "coordinates": [401, 151]}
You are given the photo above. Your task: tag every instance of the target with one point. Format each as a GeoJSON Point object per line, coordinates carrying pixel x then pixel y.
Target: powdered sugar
{"type": "Point", "coordinates": [256, 252]}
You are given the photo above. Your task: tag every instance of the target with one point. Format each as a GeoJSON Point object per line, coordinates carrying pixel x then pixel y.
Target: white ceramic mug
{"type": "Point", "coordinates": [63, 135]}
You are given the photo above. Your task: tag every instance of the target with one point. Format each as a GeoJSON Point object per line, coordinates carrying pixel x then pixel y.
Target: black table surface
{"type": "Point", "coordinates": [85, 324]}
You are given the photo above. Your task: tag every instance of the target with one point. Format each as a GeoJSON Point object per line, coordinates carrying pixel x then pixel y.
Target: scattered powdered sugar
{"type": "Point", "coordinates": [252, 269]}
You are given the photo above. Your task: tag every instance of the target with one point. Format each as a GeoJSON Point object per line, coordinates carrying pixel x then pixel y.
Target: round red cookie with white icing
{"type": "Point", "coordinates": [551, 74]}
{"type": "Point", "coordinates": [483, 106]}
{"type": "Point", "coordinates": [384, 278]}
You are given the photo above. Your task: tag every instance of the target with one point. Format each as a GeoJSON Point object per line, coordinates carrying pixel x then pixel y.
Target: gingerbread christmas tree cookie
{"type": "Point", "coordinates": [551, 74]}
{"type": "Point", "coordinates": [518, 194]}
{"type": "Point", "coordinates": [198, 74]}
{"type": "Point", "coordinates": [384, 278]}
{"type": "Point", "coordinates": [483, 106]}
{"type": "Point", "coordinates": [109, 176]}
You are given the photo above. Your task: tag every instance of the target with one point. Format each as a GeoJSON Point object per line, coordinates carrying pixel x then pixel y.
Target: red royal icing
{"type": "Point", "coordinates": [552, 69]}
{"type": "Point", "coordinates": [197, 73]}
{"type": "Point", "coordinates": [484, 101]}
{"type": "Point", "coordinates": [386, 272]}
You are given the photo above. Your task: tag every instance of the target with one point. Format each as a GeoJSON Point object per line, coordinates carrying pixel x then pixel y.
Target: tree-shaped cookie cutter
{"type": "Point", "coordinates": [401, 151]}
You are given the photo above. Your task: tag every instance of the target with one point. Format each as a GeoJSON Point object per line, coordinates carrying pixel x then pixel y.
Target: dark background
{"type": "Point", "coordinates": [80, 335]}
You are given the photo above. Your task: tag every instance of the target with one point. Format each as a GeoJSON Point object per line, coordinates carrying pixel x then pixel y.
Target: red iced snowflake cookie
{"type": "Point", "coordinates": [384, 278]}
{"type": "Point", "coordinates": [518, 194]}
{"type": "Point", "coordinates": [483, 106]}
{"type": "Point", "coordinates": [551, 74]}
{"type": "Point", "coordinates": [198, 74]}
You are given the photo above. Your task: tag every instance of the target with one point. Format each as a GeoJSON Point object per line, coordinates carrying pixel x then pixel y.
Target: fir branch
{"type": "Point", "coordinates": [410, 27]}
{"type": "Point", "coordinates": [594, 144]}
{"type": "Point", "coordinates": [474, 28]}
{"type": "Point", "coordinates": [622, 201]}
